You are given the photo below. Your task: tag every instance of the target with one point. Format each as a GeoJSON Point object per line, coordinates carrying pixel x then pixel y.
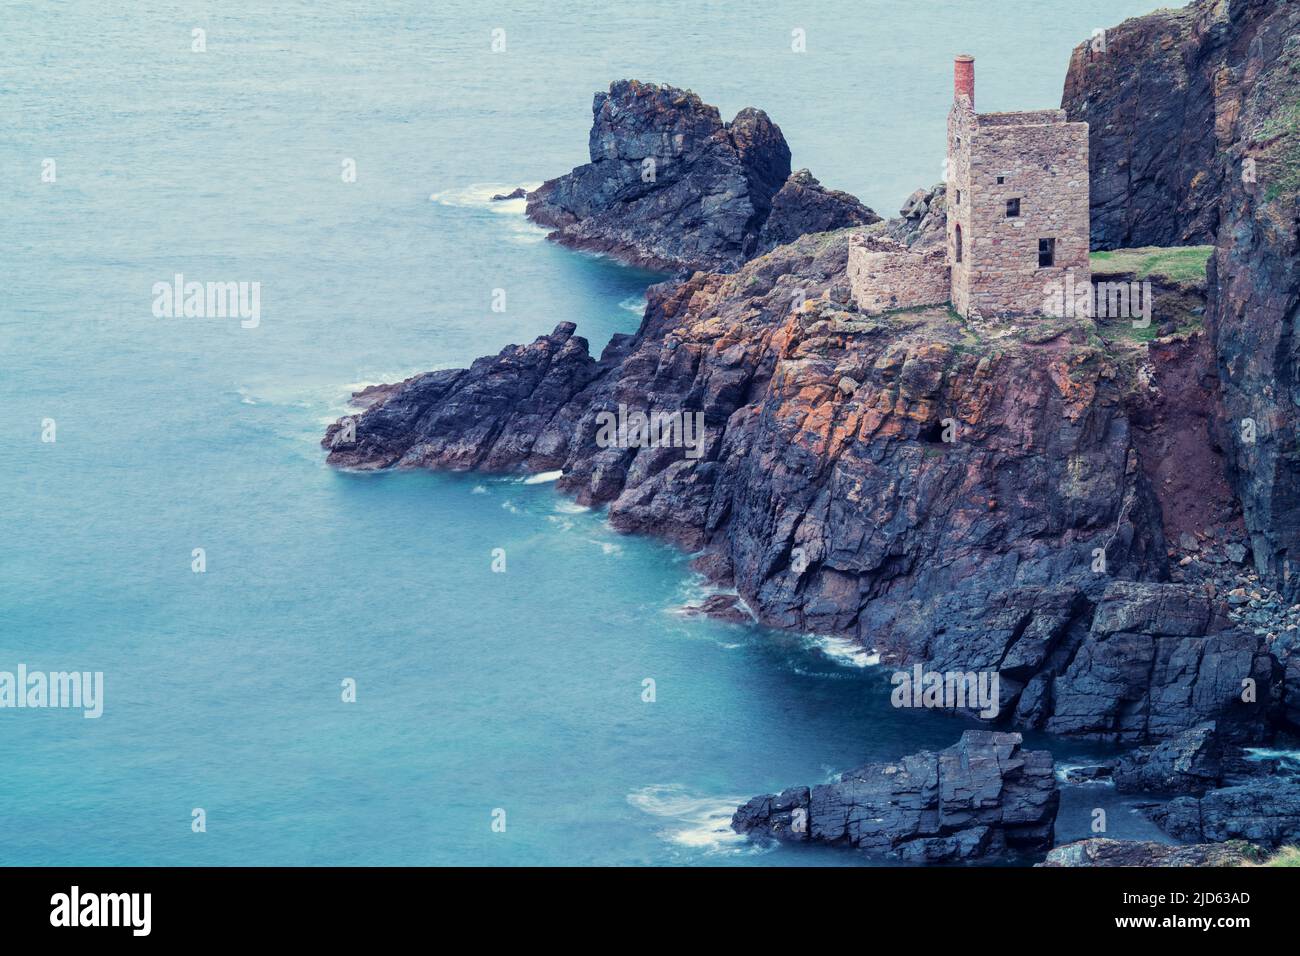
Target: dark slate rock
{"type": "Point", "coordinates": [980, 797]}
{"type": "Point", "coordinates": [669, 185]}
{"type": "Point", "coordinates": [1148, 670]}
{"type": "Point", "coordinates": [1189, 762]}
{"type": "Point", "coordinates": [803, 205]}
{"type": "Point", "coordinates": [1265, 811]}
{"type": "Point", "coordinates": [1101, 851]}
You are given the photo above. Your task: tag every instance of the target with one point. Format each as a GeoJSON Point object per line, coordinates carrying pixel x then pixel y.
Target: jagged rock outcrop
{"type": "Point", "coordinates": [1189, 762]}
{"type": "Point", "coordinates": [1100, 851]}
{"type": "Point", "coordinates": [803, 206]}
{"type": "Point", "coordinates": [669, 185]}
{"type": "Point", "coordinates": [499, 412]}
{"type": "Point", "coordinates": [923, 223]}
{"type": "Point", "coordinates": [982, 796]}
{"type": "Point", "coordinates": [1264, 811]}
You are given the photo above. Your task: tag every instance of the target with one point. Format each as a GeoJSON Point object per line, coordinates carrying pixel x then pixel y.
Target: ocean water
{"type": "Point", "coordinates": [475, 691]}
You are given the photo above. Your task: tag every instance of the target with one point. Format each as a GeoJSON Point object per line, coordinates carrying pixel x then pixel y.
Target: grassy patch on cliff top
{"type": "Point", "coordinates": [1177, 263]}
{"type": "Point", "coordinates": [1286, 856]}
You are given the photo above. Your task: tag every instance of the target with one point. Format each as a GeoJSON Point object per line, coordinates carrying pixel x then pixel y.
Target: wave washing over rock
{"type": "Point", "coordinates": [828, 498]}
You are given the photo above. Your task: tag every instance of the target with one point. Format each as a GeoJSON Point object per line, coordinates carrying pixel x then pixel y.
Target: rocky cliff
{"type": "Point", "coordinates": [1195, 136]}
{"type": "Point", "coordinates": [671, 186]}
{"type": "Point", "coordinates": [1147, 90]}
{"type": "Point", "coordinates": [972, 499]}
{"type": "Point", "coordinates": [803, 205]}
{"type": "Point", "coordinates": [1043, 501]}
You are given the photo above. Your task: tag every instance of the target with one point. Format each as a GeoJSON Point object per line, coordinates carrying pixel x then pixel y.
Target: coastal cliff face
{"type": "Point", "coordinates": [1255, 294]}
{"type": "Point", "coordinates": [1147, 91]}
{"type": "Point", "coordinates": [1195, 136]}
{"type": "Point", "coordinates": [963, 498]}
{"type": "Point", "coordinates": [671, 186]}
{"type": "Point", "coordinates": [1060, 503]}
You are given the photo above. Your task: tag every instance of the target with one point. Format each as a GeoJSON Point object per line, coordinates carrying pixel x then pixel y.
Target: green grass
{"type": "Point", "coordinates": [1279, 168]}
{"type": "Point", "coordinates": [1125, 329]}
{"type": "Point", "coordinates": [1179, 263]}
{"type": "Point", "coordinates": [1286, 856]}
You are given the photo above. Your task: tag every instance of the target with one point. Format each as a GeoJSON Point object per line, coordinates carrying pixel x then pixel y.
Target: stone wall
{"type": "Point", "coordinates": [1042, 161]}
{"type": "Point", "coordinates": [887, 275]}
{"type": "Point", "coordinates": [961, 121]}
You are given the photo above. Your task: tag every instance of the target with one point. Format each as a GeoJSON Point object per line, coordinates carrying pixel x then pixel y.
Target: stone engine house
{"type": "Point", "coordinates": [1017, 204]}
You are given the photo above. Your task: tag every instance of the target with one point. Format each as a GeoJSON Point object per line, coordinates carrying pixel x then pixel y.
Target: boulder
{"type": "Point", "coordinates": [1188, 762]}
{"type": "Point", "coordinates": [803, 205]}
{"type": "Point", "coordinates": [1265, 811]}
{"type": "Point", "coordinates": [982, 796]}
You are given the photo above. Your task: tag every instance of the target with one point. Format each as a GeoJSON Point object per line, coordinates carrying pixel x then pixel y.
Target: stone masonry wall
{"type": "Point", "coordinates": [961, 121]}
{"type": "Point", "coordinates": [887, 275]}
{"type": "Point", "coordinates": [1043, 162]}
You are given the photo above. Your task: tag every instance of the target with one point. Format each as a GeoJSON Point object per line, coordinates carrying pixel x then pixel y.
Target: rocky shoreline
{"type": "Point", "coordinates": [980, 797]}
{"type": "Point", "coordinates": [1055, 502]}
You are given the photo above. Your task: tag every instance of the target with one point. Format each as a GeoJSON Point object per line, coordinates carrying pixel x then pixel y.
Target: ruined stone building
{"type": "Point", "coordinates": [1017, 205]}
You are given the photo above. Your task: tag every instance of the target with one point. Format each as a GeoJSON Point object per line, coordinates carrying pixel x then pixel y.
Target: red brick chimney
{"type": "Point", "coordinates": [963, 78]}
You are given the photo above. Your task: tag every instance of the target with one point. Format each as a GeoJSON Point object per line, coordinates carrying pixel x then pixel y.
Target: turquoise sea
{"type": "Point", "coordinates": [476, 691]}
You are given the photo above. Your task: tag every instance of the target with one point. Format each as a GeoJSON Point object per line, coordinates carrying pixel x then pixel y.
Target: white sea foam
{"type": "Point", "coordinates": [1290, 757]}
{"type": "Point", "coordinates": [844, 651]}
{"type": "Point", "coordinates": [633, 303]}
{"type": "Point", "coordinates": [1062, 773]}
{"type": "Point", "coordinates": [478, 490]}
{"type": "Point", "coordinates": [543, 477]}
{"type": "Point", "coordinates": [479, 196]}
{"type": "Point", "coordinates": [571, 508]}
{"type": "Point", "coordinates": [695, 591]}
{"type": "Point", "coordinates": [698, 823]}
